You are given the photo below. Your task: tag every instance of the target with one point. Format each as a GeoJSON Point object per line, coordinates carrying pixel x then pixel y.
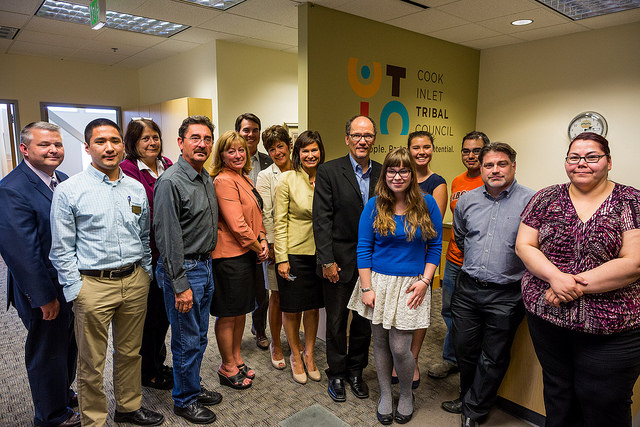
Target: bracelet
{"type": "Point", "coordinates": [363, 290]}
{"type": "Point", "coordinates": [328, 265]}
{"type": "Point", "coordinates": [421, 277]}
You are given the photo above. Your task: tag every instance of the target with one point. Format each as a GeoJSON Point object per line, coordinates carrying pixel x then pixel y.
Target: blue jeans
{"type": "Point", "coordinates": [451, 271]}
{"type": "Point", "coordinates": [188, 330]}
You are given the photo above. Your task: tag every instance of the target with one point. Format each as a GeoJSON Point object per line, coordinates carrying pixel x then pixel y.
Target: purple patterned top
{"type": "Point", "coordinates": [574, 247]}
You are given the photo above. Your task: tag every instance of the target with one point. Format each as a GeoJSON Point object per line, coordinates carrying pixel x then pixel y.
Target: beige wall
{"type": "Point", "coordinates": [32, 80]}
{"type": "Point", "coordinates": [256, 80]}
{"type": "Point", "coordinates": [529, 92]}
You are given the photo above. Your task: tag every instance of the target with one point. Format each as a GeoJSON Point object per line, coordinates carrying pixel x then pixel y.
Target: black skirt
{"type": "Point", "coordinates": [305, 291]}
{"type": "Point", "coordinates": [233, 285]}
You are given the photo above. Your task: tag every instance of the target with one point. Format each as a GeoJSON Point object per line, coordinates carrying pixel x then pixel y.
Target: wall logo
{"type": "Point", "coordinates": [373, 81]}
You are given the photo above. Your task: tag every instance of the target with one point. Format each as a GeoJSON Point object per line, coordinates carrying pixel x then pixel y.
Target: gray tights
{"type": "Point", "coordinates": [393, 348]}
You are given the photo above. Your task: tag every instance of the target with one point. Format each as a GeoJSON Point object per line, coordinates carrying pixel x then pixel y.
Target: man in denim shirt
{"type": "Point", "coordinates": [186, 231]}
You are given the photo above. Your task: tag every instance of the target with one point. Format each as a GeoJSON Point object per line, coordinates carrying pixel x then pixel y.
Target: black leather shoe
{"type": "Point", "coordinates": [73, 403]}
{"type": "Point", "coordinates": [159, 382]}
{"type": "Point", "coordinates": [358, 387]}
{"type": "Point", "coordinates": [141, 417]}
{"type": "Point", "coordinates": [72, 421]}
{"type": "Point", "coordinates": [386, 419]}
{"type": "Point", "coordinates": [208, 397]}
{"type": "Point", "coordinates": [468, 422]}
{"type": "Point", "coordinates": [195, 413]}
{"type": "Point", "coordinates": [453, 406]}
{"type": "Point", "coordinates": [336, 390]}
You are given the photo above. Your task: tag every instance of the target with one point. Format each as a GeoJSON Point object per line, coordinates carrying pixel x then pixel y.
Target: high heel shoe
{"type": "Point", "coordinates": [278, 364]}
{"type": "Point", "coordinates": [299, 378]}
{"type": "Point", "coordinates": [313, 375]}
{"type": "Point", "coordinates": [235, 381]}
{"type": "Point", "coordinates": [244, 370]}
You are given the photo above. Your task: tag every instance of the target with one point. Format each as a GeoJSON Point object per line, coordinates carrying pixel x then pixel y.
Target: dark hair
{"type": "Point", "coordinates": [590, 136]}
{"type": "Point", "coordinates": [273, 134]}
{"type": "Point", "coordinates": [500, 147]}
{"type": "Point", "coordinates": [476, 135]}
{"type": "Point", "coordinates": [26, 134]}
{"type": "Point", "coordinates": [133, 135]}
{"type": "Point", "coordinates": [347, 128]}
{"type": "Point", "coordinates": [419, 134]}
{"type": "Point", "coordinates": [307, 137]}
{"type": "Point", "coordinates": [247, 116]}
{"type": "Point", "coordinates": [95, 123]}
{"type": "Point", "coordinates": [195, 120]}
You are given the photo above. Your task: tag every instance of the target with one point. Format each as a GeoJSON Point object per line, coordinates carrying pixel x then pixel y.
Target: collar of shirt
{"type": "Point", "coordinates": [143, 166]}
{"type": "Point", "coordinates": [192, 174]}
{"type": "Point", "coordinates": [41, 174]}
{"type": "Point", "coordinates": [504, 194]}
{"type": "Point", "coordinates": [358, 169]}
{"type": "Point", "coordinates": [100, 176]}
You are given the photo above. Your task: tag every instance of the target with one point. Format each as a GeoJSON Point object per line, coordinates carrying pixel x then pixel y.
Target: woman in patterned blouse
{"type": "Point", "coordinates": [580, 242]}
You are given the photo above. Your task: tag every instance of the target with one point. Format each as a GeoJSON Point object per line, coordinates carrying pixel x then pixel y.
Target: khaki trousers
{"type": "Point", "coordinates": [123, 304]}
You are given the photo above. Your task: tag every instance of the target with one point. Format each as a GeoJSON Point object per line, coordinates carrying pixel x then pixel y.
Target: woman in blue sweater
{"type": "Point", "coordinates": [399, 246]}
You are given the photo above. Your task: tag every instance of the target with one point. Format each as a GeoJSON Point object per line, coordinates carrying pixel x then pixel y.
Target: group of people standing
{"type": "Point", "coordinates": [144, 245]}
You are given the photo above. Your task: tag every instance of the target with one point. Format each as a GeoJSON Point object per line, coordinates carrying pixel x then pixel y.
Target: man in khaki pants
{"type": "Point", "coordinates": [100, 248]}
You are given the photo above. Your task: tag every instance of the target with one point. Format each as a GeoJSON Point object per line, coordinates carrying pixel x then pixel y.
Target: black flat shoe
{"type": "Point", "coordinates": [141, 417]}
{"type": "Point", "coordinates": [336, 390]}
{"type": "Point", "coordinates": [394, 379]}
{"type": "Point", "coordinates": [235, 381]}
{"type": "Point", "coordinates": [195, 413]}
{"type": "Point", "coordinates": [415, 384]}
{"type": "Point", "coordinates": [386, 419]}
{"type": "Point", "coordinates": [358, 387]}
{"type": "Point", "coordinates": [403, 419]}
{"type": "Point", "coordinates": [244, 370]}
{"type": "Point", "coordinates": [208, 397]}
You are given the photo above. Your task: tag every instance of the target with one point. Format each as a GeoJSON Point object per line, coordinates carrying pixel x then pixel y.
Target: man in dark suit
{"type": "Point", "coordinates": [32, 282]}
{"type": "Point", "coordinates": [248, 125]}
{"type": "Point", "coordinates": [343, 187]}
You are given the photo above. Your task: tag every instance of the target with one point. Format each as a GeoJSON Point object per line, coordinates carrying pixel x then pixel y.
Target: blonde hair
{"type": "Point", "coordinates": [226, 141]}
{"type": "Point", "coordinates": [416, 214]}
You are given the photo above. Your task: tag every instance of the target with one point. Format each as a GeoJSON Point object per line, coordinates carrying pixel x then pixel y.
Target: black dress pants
{"type": "Point", "coordinates": [588, 379]}
{"type": "Point", "coordinates": [156, 324]}
{"type": "Point", "coordinates": [51, 358]}
{"type": "Point", "coordinates": [345, 360]}
{"type": "Point", "coordinates": [259, 314]}
{"type": "Point", "coordinates": [485, 319]}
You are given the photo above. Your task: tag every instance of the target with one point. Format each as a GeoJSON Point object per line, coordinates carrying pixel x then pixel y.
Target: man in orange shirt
{"type": "Point", "coordinates": [472, 143]}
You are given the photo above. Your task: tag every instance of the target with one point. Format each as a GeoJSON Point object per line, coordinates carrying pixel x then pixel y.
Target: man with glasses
{"type": "Point", "coordinates": [343, 187]}
{"type": "Point", "coordinates": [486, 305]}
{"type": "Point", "coordinates": [186, 228]}
{"type": "Point", "coordinates": [472, 143]}
{"type": "Point", "coordinates": [248, 125]}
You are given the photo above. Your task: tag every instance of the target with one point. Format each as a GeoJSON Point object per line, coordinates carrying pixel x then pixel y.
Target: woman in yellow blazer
{"type": "Point", "coordinates": [241, 243]}
{"type": "Point", "coordinates": [299, 286]}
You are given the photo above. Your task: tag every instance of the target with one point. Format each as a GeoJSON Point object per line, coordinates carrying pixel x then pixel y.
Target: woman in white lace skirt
{"type": "Point", "coordinates": [399, 247]}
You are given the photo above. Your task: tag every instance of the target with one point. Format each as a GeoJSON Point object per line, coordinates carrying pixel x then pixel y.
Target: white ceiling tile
{"type": "Point", "coordinates": [39, 49]}
{"type": "Point", "coordinates": [51, 39]}
{"type": "Point", "coordinates": [54, 26]}
{"type": "Point", "coordinates": [144, 58]}
{"type": "Point", "coordinates": [196, 35]}
{"type": "Point", "coordinates": [618, 18]}
{"type": "Point", "coordinates": [15, 20]}
{"type": "Point", "coordinates": [379, 10]}
{"type": "Point", "coordinates": [266, 44]}
{"type": "Point", "coordinates": [283, 12]}
{"type": "Point", "coordinates": [97, 57]}
{"type": "Point", "coordinates": [124, 6]}
{"type": "Point", "coordinates": [552, 31]}
{"type": "Point", "coordinates": [427, 21]}
{"type": "Point", "coordinates": [464, 33]}
{"type": "Point", "coordinates": [120, 38]}
{"type": "Point", "coordinates": [175, 46]}
{"type": "Point", "coordinates": [253, 28]}
{"type": "Point", "coordinates": [541, 18]}
{"type": "Point", "coordinates": [501, 40]}
{"type": "Point", "coordinates": [474, 10]}
{"type": "Point", "coordinates": [28, 7]}
{"type": "Point", "coordinates": [4, 45]}
{"type": "Point", "coordinates": [174, 11]}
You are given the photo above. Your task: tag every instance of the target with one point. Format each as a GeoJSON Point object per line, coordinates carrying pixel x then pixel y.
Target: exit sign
{"type": "Point", "coordinates": [94, 9]}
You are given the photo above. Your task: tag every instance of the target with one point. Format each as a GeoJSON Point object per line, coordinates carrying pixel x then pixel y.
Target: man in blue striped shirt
{"type": "Point", "coordinates": [100, 248]}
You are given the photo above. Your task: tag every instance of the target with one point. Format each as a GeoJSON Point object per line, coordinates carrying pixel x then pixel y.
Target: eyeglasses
{"type": "Point", "coordinates": [475, 151]}
{"type": "Point", "coordinates": [357, 137]}
{"type": "Point", "coordinates": [574, 159]}
{"type": "Point", "coordinates": [147, 138]}
{"type": "Point", "coordinates": [404, 173]}
{"type": "Point", "coordinates": [196, 139]}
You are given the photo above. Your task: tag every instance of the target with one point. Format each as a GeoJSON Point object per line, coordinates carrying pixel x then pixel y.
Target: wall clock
{"type": "Point", "coordinates": [589, 121]}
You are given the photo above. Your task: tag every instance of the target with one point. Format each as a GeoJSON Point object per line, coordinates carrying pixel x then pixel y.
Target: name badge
{"type": "Point", "coordinates": [136, 209]}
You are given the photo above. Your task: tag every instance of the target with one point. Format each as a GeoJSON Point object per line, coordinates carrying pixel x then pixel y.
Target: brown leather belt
{"type": "Point", "coordinates": [115, 273]}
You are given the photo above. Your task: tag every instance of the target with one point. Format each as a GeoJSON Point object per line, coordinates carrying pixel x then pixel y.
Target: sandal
{"type": "Point", "coordinates": [244, 370]}
{"type": "Point", "coordinates": [236, 381]}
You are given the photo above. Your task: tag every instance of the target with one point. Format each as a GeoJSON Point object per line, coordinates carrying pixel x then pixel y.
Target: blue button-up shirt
{"type": "Point", "coordinates": [362, 178]}
{"type": "Point", "coordinates": [97, 224]}
{"type": "Point", "coordinates": [485, 230]}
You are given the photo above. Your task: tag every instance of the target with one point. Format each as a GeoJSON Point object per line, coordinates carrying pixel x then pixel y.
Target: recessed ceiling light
{"type": "Point", "coordinates": [7, 32]}
{"type": "Point", "coordinates": [216, 4]}
{"type": "Point", "coordinates": [581, 9]}
{"type": "Point", "coordinates": [522, 22]}
{"type": "Point", "coordinates": [79, 14]}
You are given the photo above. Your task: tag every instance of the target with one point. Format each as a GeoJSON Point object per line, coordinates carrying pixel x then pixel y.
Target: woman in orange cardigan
{"type": "Point", "coordinates": [241, 243]}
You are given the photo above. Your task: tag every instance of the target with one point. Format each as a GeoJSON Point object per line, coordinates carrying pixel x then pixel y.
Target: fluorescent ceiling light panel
{"type": "Point", "coordinates": [79, 14]}
{"type": "Point", "coordinates": [216, 4]}
{"type": "Point", "coordinates": [7, 32]}
{"type": "Point", "coordinates": [581, 9]}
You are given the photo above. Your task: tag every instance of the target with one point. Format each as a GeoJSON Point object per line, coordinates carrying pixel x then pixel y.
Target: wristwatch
{"type": "Point", "coordinates": [363, 290]}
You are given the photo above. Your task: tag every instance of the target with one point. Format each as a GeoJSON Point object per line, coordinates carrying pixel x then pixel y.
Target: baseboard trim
{"type": "Point", "coordinates": [520, 411]}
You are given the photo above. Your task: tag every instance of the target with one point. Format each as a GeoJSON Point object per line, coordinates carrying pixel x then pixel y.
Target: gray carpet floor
{"type": "Point", "coordinates": [274, 397]}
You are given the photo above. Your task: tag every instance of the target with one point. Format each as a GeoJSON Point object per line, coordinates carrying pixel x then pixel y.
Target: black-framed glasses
{"type": "Point", "coordinates": [574, 159]}
{"type": "Point", "coordinates": [404, 173]}
{"type": "Point", "coordinates": [368, 137]}
{"type": "Point", "coordinates": [475, 151]}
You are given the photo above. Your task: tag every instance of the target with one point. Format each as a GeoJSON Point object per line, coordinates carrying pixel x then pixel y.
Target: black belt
{"type": "Point", "coordinates": [115, 273]}
{"type": "Point", "coordinates": [198, 257]}
{"type": "Point", "coordinates": [485, 284]}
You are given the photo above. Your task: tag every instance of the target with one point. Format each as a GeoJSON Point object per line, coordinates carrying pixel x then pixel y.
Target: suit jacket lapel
{"type": "Point", "coordinates": [34, 179]}
{"type": "Point", "coordinates": [349, 174]}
